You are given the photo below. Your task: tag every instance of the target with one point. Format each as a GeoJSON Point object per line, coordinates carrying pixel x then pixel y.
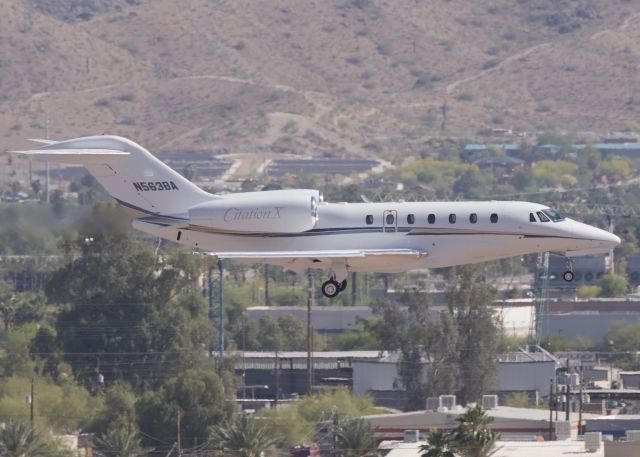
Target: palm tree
{"type": "Point", "coordinates": [438, 445]}
{"type": "Point", "coordinates": [243, 434]}
{"type": "Point", "coordinates": [20, 440]}
{"type": "Point", "coordinates": [118, 442]}
{"type": "Point", "coordinates": [472, 438]}
{"type": "Point", "coordinates": [355, 437]}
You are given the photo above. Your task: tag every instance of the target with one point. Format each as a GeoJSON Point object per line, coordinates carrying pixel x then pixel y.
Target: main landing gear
{"type": "Point", "coordinates": [333, 287]}
{"type": "Point", "coordinates": [568, 275]}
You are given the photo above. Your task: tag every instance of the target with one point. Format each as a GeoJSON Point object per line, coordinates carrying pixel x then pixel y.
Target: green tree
{"type": "Point", "coordinates": [118, 409]}
{"type": "Point", "coordinates": [196, 395]}
{"type": "Point", "coordinates": [355, 438]}
{"type": "Point", "coordinates": [468, 298]}
{"type": "Point", "coordinates": [359, 340]}
{"type": "Point", "coordinates": [242, 434]}
{"type": "Point", "coordinates": [20, 440]}
{"type": "Point", "coordinates": [297, 422]}
{"type": "Point", "coordinates": [438, 445]}
{"type": "Point", "coordinates": [471, 437]}
{"type": "Point", "coordinates": [118, 442]}
{"type": "Point", "coordinates": [129, 317]}
{"type": "Point", "coordinates": [613, 285]}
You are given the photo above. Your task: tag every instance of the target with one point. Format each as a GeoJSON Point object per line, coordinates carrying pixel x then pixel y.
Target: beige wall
{"type": "Point", "coordinates": [621, 448]}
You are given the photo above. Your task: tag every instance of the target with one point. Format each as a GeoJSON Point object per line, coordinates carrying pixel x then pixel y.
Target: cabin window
{"type": "Point", "coordinates": [431, 219]}
{"type": "Point", "coordinates": [390, 219]}
{"type": "Point", "coordinates": [494, 218]}
{"type": "Point", "coordinates": [452, 218]}
{"type": "Point", "coordinates": [411, 219]}
{"type": "Point", "coordinates": [369, 219]}
{"type": "Point", "coordinates": [532, 218]}
{"type": "Point", "coordinates": [473, 218]}
{"type": "Point", "coordinates": [543, 217]}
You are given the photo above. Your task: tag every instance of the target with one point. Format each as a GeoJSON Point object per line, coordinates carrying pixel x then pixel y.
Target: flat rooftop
{"type": "Point", "coordinates": [506, 449]}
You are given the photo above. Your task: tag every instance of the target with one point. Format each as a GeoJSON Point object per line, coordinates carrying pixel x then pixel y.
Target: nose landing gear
{"type": "Point", "coordinates": [332, 287]}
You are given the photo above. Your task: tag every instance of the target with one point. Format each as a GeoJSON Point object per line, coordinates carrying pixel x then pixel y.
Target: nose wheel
{"type": "Point", "coordinates": [331, 288]}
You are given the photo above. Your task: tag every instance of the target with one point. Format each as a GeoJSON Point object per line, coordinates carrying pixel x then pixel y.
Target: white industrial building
{"type": "Point", "coordinates": [516, 316]}
{"type": "Point", "coordinates": [520, 371]}
{"type": "Point", "coordinates": [591, 325]}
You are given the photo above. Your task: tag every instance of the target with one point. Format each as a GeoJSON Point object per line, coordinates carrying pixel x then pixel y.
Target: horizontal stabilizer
{"type": "Point", "coordinates": [42, 141]}
{"type": "Point", "coordinates": [73, 156]}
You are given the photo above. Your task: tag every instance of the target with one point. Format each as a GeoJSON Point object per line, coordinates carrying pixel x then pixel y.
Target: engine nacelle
{"type": "Point", "coordinates": [275, 211]}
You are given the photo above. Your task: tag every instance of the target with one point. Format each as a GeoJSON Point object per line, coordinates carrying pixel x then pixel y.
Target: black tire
{"type": "Point", "coordinates": [568, 275]}
{"type": "Point", "coordinates": [330, 288]}
{"type": "Point", "coordinates": [343, 285]}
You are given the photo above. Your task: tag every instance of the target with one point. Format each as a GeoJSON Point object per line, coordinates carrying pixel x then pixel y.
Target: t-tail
{"type": "Point", "coordinates": [130, 173]}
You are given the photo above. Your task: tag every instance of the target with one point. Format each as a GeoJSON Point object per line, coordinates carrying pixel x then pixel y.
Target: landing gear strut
{"type": "Point", "coordinates": [332, 287]}
{"type": "Point", "coordinates": [568, 275]}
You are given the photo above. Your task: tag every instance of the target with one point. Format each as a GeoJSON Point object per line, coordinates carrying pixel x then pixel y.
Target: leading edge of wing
{"type": "Point", "coordinates": [321, 254]}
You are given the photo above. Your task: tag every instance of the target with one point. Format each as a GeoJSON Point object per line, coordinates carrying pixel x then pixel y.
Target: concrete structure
{"type": "Point", "coordinates": [381, 374]}
{"type": "Point", "coordinates": [519, 449]}
{"type": "Point", "coordinates": [288, 371]}
{"type": "Point", "coordinates": [614, 425]}
{"type": "Point", "coordinates": [520, 371]}
{"type": "Point", "coordinates": [517, 423]}
{"type": "Point", "coordinates": [621, 449]}
{"type": "Point", "coordinates": [332, 320]}
{"type": "Point", "coordinates": [591, 325]}
{"type": "Point", "coordinates": [630, 379]}
{"type": "Point", "coordinates": [516, 316]}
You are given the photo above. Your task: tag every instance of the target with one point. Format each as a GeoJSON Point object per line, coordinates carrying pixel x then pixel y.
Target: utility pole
{"type": "Point", "coordinates": [335, 452]}
{"type": "Point", "coordinates": [580, 405]}
{"type": "Point", "coordinates": [309, 334]}
{"type": "Point", "coordinates": [354, 288]}
{"type": "Point", "coordinates": [266, 285]}
{"type": "Point", "coordinates": [275, 403]}
{"type": "Point", "coordinates": [551, 401]}
{"type": "Point", "coordinates": [220, 310]}
{"type": "Point", "coordinates": [32, 400]}
{"type": "Point", "coordinates": [221, 314]}
{"type": "Point", "coordinates": [568, 392]}
{"type": "Point", "coordinates": [179, 440]}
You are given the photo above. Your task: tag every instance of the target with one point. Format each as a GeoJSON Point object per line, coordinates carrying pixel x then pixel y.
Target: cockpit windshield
{"type": "Point", "coordinates": [553, 215]}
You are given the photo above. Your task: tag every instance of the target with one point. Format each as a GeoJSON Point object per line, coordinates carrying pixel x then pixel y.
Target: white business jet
{"type": "Point", "coordinates": [296, 229]}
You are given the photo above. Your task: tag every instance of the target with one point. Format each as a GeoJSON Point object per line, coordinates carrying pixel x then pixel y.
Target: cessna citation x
{"type": "Point", "coordinates": [296, 229]}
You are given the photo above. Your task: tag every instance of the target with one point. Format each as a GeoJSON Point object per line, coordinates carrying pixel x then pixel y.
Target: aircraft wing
{"type": "Point", "coordinates": [322, 254]}
{"type": "Point", "coordinates": [384, 260]}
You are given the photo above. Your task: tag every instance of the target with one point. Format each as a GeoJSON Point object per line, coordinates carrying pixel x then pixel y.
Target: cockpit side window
{"type": "Point", "coordinates": [532, 218]}
{"type": "Point", "coordinates": [543, 217]}
{"type": "Point", "coordinates": [553, 215]}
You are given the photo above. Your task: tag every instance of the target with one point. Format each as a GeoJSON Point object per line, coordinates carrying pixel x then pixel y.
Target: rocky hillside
{"type": "Point", "coordinates": [333, 77]}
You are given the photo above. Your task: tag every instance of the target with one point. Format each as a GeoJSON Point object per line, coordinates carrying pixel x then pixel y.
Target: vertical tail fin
{"type": "Point", "coordinates": [130, 173]}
